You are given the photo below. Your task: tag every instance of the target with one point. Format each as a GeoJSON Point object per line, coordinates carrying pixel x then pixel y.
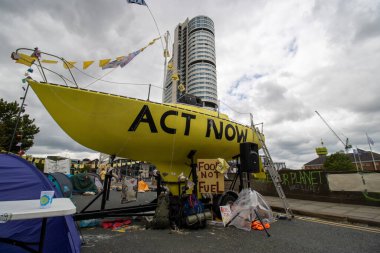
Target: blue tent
{"type": "Point", "coordinates": [20, 180]}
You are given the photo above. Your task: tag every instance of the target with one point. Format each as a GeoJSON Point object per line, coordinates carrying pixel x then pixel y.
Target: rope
{"type": "Point", "coordinates": [100, 78]}
{"type": "Point", "coordinates": [233, 109]}
{"type": "Point", "coordinates": [158, 30]}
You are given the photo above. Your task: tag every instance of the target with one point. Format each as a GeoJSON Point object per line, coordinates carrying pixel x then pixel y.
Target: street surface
{"type": "Point", "coordinates": [302, 234]}
{"type": "Point", "coordinates": [286, 236]}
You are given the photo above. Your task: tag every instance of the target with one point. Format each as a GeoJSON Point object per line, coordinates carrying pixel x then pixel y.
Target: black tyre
{"type": "Point", "coordinates": [227, 199]}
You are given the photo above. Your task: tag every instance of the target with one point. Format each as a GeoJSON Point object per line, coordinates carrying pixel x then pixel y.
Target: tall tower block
{"type": "Point", "coordinates": [194, 62]}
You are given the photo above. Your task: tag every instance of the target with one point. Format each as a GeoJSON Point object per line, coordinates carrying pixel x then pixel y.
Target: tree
{"type": "Point", "coordinates": [338, 162]}
{"type": "Point", "coordinates": [25, 131]}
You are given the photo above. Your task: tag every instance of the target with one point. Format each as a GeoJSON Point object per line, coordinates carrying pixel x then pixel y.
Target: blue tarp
{"type": "Point", "coordinates": [20, 180]}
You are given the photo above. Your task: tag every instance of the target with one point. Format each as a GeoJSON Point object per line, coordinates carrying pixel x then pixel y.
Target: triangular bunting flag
{"type": "Point", "coordinates": [49, 61]}
{"type": "Point", "coordinates": [25, 59]}
{"type": "Point", "coordinates": [69, 64]}
{"type": "Point", "coordinates": [140, 2]}
{"type": "Point", "coordinates": [104, 62]}
{"type": "Point", "coordinates": [87, 64]}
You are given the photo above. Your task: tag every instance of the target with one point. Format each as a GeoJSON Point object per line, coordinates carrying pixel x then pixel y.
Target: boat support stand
{"type": "Point", "coordinates": [139, 210]}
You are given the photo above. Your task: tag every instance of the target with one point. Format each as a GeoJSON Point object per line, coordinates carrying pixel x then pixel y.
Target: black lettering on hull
{"type": "Point", "coordinates": [218, 134]}
{"type": "Point", "coordinates": [163, 124]}
{"type": "Point", "coordinates": [146, 117]}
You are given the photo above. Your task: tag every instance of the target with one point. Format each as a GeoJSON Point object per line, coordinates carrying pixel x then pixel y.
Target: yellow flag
{"type": "Point", "coordinates": [222, 166]}
{"type": "Point", "coordinates": [43, 161]}
{"type": "Point", "coordinates": [152, 42]}
{"type": "Point", "coordinates": [175, 77]}
{"type": "Point", "coordinates": [37, 160]}
{"type": "Point", "coordinates": [104, 62]}
{"type": "Point", "coordinates": [166, 53]}
{"type": "Point", "coordinates": [181, 87]}
{"type": "Point", "coordinates": [49, 61]}
{"type": "Point", "coordinates": [69, 64]}
{"type": "Point", "coordinates": [170, 66]}
{"type": "Point", "coordinates": [87, 64]}
{"type": "Point", "coordinates": [25, 59]}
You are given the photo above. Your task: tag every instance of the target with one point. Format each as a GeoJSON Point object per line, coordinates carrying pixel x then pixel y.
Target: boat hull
{"type": "Point", "coordinates": [162, 134]}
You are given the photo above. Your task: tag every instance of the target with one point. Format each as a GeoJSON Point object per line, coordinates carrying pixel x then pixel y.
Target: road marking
{"type": "Point", "coordinates": [316, 220]}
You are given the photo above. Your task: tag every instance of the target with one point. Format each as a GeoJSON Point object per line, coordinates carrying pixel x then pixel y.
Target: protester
{"type": "Point", "coordinates": [102, 174]}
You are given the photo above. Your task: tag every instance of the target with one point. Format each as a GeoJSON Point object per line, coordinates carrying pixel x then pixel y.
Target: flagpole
{"type": "Point", "coordinates": [166, 52]}
{"type": "Point", "coordinates": [373, 159]}
{"type": "Point", "coordinates": [360, 161]}
{"type": "Point", "coordinates": [18, 118]}
{"type": "Point", "coordinates": [356, 163]}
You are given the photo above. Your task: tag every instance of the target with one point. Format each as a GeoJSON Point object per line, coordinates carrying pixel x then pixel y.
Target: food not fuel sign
{"type": "Point", "coordinates": [209, 180]}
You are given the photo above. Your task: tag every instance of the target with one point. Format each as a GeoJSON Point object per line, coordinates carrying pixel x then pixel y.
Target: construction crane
{"type": "Point", "coordinates": [346, 144]}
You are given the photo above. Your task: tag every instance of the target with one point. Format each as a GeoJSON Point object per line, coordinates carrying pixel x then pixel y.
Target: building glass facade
{"type": "Point", "coordinates": [194, 61]}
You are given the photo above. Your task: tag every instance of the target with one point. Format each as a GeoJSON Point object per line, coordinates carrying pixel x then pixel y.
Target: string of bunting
{"type": "Point", "coordinates": [120, 61]}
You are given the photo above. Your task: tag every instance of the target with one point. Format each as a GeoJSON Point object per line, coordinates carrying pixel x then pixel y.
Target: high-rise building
{"type": "Point", "coordinates": [193, 61]}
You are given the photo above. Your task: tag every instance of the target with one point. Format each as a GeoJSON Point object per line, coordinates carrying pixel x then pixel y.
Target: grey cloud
{"type": "Point", "coordinates": [349, 21]}
{"type": "Point", "coordinates": [370, 29]}
{"type": "Point", "coordinates": [281, 103]}
{"type": "Point", "coordinates": [80, 17]}
{"type": "Point", "coordinates": [335, 69]}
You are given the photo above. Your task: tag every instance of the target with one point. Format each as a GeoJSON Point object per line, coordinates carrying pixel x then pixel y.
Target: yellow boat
{"type": "Point", "coordinates": [162, 134]}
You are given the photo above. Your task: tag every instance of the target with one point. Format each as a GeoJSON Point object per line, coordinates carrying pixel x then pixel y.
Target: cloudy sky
{"type": "Point", "coordinates": [280, 60]}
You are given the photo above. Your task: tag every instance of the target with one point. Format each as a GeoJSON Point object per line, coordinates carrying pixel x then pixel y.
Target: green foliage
{"type": "Point", "coordinates": [86, 168]}
{"type": "Point", "coordinates": [338, 162]}
{"type": "Point", "coordinates": [25, 131]}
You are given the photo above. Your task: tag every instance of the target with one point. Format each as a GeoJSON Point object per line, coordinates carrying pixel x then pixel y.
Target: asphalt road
{"type": "Point", "coordinates": [299, 235]}
{"type": "Point", "coordinates": [286, 236]}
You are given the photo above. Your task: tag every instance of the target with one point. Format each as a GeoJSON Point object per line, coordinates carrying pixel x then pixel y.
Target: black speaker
{"type": "Point", "coordinates": [249, 157]}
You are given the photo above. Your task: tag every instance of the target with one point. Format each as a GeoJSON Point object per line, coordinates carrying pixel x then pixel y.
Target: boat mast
{"type": "Point", "coordinates": [166, 55]}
